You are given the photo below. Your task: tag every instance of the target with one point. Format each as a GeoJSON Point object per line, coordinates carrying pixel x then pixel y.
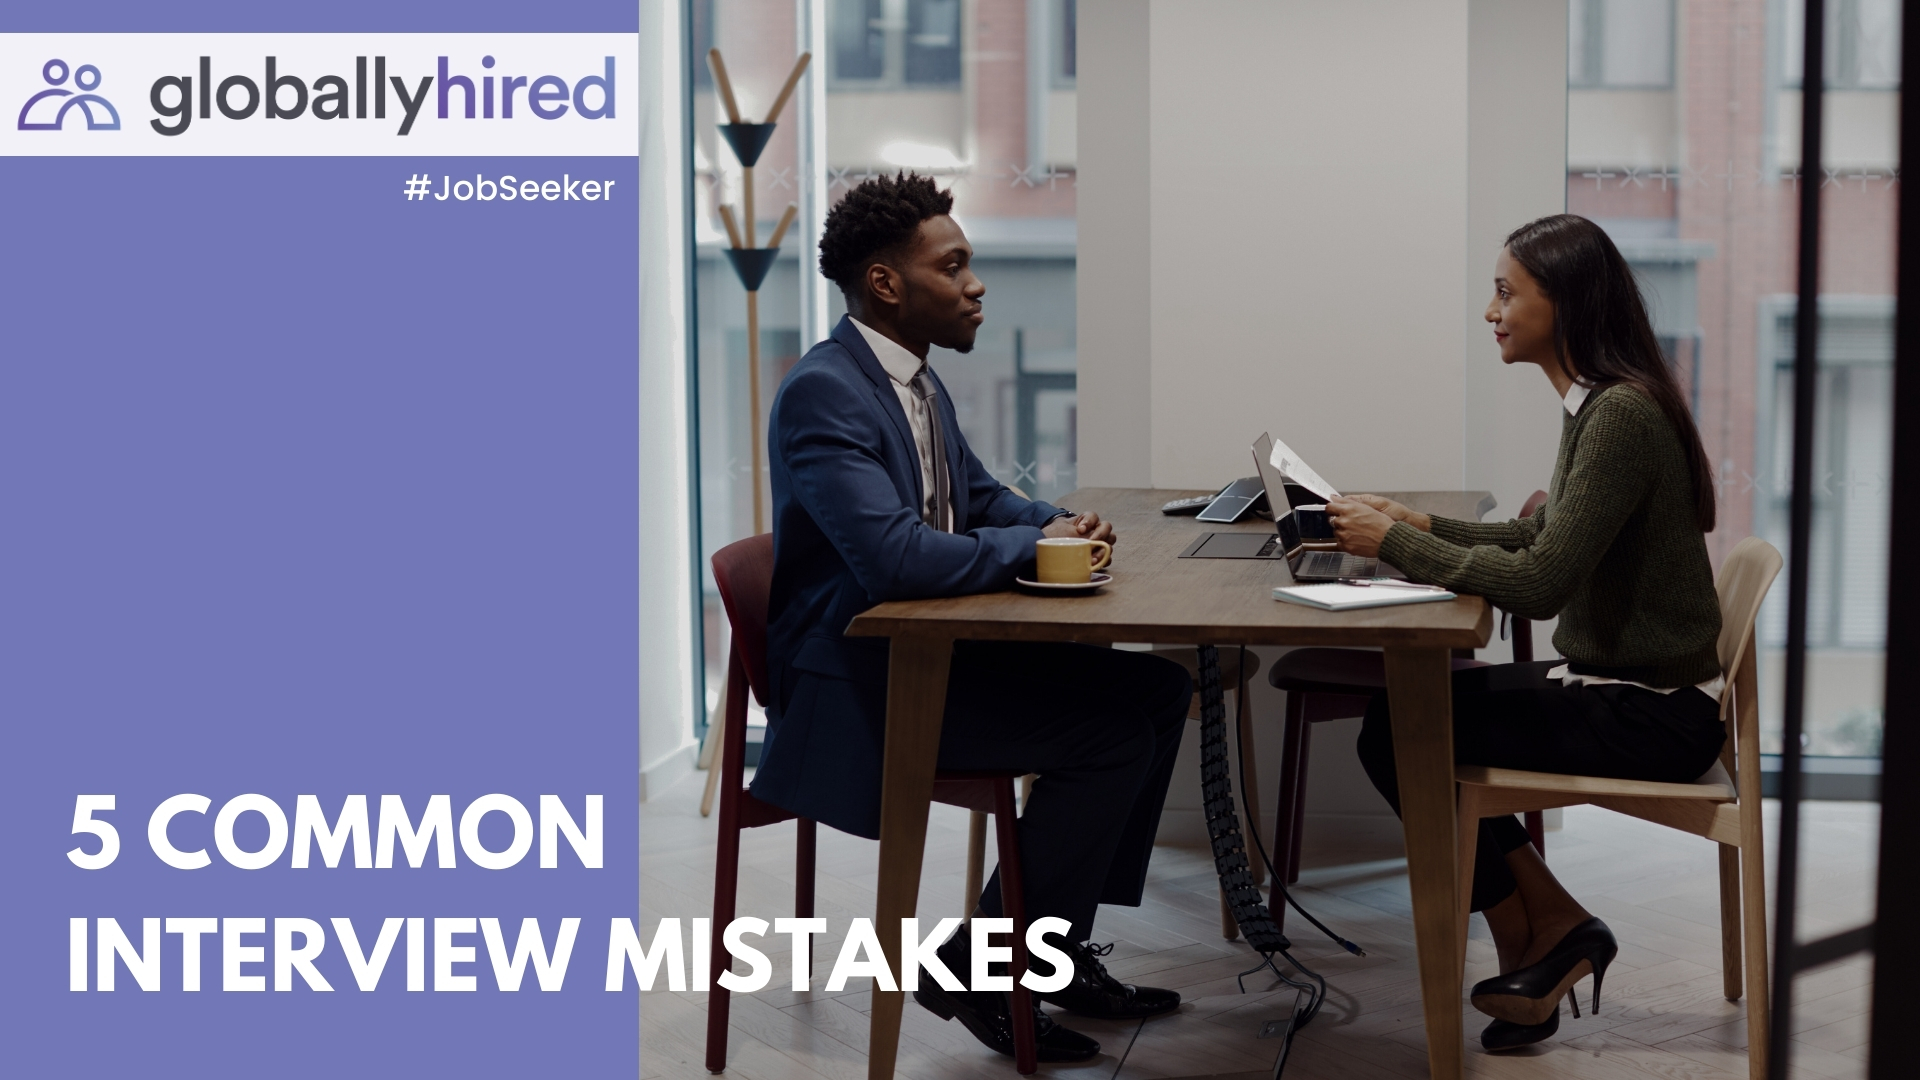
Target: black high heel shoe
{"type": "Point", "coordinates": [1532, 994]}
{"type": "Point", "coordinates": [1501, 1035]}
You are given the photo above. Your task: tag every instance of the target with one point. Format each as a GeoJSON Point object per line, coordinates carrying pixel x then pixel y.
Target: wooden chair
{"type": "Point", "coordinates": [1723, 805]}
{"type": "Point", "coordinates": [743, 571]}
{"type": "Point", "coordinates": [1336, 684]}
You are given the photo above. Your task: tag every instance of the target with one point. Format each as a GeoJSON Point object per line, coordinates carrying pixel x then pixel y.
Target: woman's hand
{"type": "Point", "coordinates": [1358, 526]}
{"type": "Point", "coordinates": [1395, 511]}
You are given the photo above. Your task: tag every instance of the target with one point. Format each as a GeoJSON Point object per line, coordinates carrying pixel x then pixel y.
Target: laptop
{"type": "Point", "coordinates": [1308, 561]}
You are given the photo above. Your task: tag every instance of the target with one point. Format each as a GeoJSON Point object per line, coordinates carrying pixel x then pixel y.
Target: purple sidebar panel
{"type": "Point", "coordinates": [311, 489]}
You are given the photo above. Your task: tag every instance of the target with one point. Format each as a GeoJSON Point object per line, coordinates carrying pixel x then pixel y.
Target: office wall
{"type": "Point", "coordinates": [1309, 173]}
{"type": "Point", "coordinates": [1288, 218]}
{"type": "Point", "coordinates": [1517, 159]}
{"type": "Point", "coordinates": [1114, 257]}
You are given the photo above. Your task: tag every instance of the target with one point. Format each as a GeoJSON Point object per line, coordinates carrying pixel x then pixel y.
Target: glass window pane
{"type": "Point", "coordinates": [1637, 43]}
{"type": "Point", "coordinates": [859, 40]}
{"type": "Point", "coordinates": [757, 39]}
{"type": "Point", "coordinates": [1876, 34]}
{"type": "Point", "coordinates": [933, 42]}
{"type": "Point", "coordinates": [1703, 202]}
{"type": "Point", "coordinates": [1793, 42]}
{"type": "Point", "coordinates": [1066, 44]}
{"type": "Point", "coordinates": [1580, 69]}
{"type": "Point", "coordinates": [966, 122]}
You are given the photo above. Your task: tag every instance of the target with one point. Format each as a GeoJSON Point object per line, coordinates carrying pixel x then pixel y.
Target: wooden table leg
{"type": "Point", "coordinates": [1419, 693]}
{"type": "Point", "coordinates": [916, 704]}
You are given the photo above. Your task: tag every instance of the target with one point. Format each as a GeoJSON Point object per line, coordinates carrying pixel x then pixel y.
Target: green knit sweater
{"type": "Point", "coordinates": [1614, 552]}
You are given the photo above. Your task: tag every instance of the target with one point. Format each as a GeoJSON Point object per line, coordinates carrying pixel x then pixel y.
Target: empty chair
{"type": "Point", "coordinates": [1335, 684]}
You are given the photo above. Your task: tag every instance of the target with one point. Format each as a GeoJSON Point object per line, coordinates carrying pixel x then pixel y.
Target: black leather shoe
{"type": "Point", "coordinates": [1531, 994]}
{"type": "Point", "coordinates": [1501, 1035]}
{"type": "Point", "coordinates": [985, 1013]}
{"type": "Point", "coordinates": [1096, 994]}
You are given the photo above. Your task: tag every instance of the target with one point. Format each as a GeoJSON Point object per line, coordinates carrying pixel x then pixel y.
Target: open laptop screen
{"type": "Point", "coordinates": [1289, 530]}
{"type": "Point", "coordinates": [1270, 477]}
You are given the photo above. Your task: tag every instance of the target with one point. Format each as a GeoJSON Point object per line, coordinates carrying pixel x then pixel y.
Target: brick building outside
{"type": "Point", "coordinates": [1682, 140]}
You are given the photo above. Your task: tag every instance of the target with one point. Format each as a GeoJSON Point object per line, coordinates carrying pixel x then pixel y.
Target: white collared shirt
{"type": "Point", "coordinates": [901, 366]}
{"type": "Point", "coordinates": [1575, 397]}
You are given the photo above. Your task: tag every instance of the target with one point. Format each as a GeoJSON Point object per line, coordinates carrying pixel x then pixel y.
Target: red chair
{"type": "Point", "coordinates": [743, 571]}
{"type": "Point", "coordinates": [1336, 684]}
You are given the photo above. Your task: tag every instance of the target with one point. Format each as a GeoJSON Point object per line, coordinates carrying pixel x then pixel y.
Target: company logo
{"type": "Point", "coordinates": [411, 95]}
{"type": "Point", "coordinates": [58, 101]}
{"type": "Point", "coordinates": [178, 99]}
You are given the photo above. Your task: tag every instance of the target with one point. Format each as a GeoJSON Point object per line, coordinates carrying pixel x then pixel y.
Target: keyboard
{"type": "Point", "coordinates": [1328, 565]}
{"type": "Point", "coordinates": [1187, 506]}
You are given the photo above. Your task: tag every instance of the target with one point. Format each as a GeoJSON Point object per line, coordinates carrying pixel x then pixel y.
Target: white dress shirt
{"type": "Point", "coordinates": [901, 366]}
{"type": "Point", "coordinates": [1576, 396]}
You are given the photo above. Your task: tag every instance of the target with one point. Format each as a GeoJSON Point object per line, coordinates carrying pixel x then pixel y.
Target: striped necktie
{"type": "Point", "coordinates": [938, 514]}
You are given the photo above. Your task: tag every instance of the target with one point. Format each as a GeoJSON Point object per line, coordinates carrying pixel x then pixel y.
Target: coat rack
{"type": "Point", "coordinates": [750, 261]}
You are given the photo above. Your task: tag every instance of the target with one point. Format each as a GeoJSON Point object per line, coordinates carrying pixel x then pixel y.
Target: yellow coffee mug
{"type": "Point", "coordinates": [1069, 560]}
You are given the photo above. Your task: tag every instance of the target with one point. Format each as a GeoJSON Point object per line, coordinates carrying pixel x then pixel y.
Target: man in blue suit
{"type": "Point", "coordinates": [877, 497]}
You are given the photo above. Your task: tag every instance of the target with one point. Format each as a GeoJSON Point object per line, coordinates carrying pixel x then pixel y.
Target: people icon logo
{"type": "Point", "coordinates": [56, 72]}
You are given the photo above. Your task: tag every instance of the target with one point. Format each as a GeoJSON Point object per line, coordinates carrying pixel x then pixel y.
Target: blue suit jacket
{"type": "Point", "coordinates": [847, 535]}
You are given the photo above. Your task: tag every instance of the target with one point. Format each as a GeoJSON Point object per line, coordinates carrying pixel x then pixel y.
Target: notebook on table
{"type": "Point", "coordinates": [1337, 597]}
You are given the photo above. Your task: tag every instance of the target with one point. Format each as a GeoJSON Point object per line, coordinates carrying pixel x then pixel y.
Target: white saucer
{"type": "Point", "coordinates": [1098, 580]}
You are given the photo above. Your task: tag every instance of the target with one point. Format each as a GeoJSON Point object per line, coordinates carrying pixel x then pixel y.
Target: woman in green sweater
{"type": "Point", "coordinates": [1619, 553]}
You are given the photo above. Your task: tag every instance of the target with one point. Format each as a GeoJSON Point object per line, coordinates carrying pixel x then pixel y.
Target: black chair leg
{"type": "Point", "coordinates": [1293, 775]}
{"type": "Point", "coordinates": [1299, 805]}
{"type": "Point", "coordinates": [1013, 901]}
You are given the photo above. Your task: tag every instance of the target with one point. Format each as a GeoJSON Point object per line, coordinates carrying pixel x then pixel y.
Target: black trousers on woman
{"type": "Point", "coordinates": [1511, 716]}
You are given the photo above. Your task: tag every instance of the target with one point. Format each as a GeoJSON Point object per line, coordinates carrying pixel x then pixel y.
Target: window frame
{"type": "Point", "coordinates": [1595, 57]}
{"type": "Point", "coordinates": [1843, 56]}
{"type": "Point", "coordinates": [893, 77]}
{"type": "Point", "coordinates": [1059, 44]}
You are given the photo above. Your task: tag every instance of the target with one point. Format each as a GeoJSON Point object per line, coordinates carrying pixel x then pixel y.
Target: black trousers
{"type": "Point", "coordinates": [1101, 727]}
{"type": "Point", "coordinates": [1511, 716]}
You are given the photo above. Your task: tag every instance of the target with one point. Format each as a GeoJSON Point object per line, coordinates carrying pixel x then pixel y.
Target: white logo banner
{"type": "Point", "coordinates": [319, 95]}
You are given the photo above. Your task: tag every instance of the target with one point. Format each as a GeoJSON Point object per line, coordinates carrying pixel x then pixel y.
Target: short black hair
{"type": "Point", "coordinates": [882, 214]}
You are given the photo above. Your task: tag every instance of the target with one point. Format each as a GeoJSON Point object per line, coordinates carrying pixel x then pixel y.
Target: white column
{"type": "Point", "coordinates": [666, 602]}
{"type": "Point", "coordinates": [1114, 305]}
{"type": "Point", "coordinates": [1039, 78]}
{"type": "Point", "coordinates": [810, 113]}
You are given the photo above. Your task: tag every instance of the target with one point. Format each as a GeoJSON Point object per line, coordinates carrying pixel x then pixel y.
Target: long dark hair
{"type": "Point", "coordinates": [1601, 332]}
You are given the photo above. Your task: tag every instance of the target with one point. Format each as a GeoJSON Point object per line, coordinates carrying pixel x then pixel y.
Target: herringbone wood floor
{"type": "Point", "coordinates": [1662, 1016]}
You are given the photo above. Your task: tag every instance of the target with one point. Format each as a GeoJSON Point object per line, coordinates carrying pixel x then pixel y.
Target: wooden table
{"type": "Point", "coordinates": [1158, 597]}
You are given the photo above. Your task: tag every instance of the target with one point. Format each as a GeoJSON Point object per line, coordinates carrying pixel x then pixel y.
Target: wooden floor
{"type": "Point", "coordinates": [1662, 1015]}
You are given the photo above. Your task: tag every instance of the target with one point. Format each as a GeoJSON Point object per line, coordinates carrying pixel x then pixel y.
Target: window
{"type": "Point", "coordinates": [885, 44]}
{"type": "Point", "coordinates": [1852, 467]}
{"type": "Point", "coordinates": [896, 99]}
{"type": "Point", "coordinates": [1852, 462]}
{"type": "Point", "coordinates": [1862, 40]}
{"type": "Point", "coordinates": [1065, 43]}
{"type": "Point", "coordinates": [1620, 44]}
{"type": "Point", "coordinates": [1703, 204]}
